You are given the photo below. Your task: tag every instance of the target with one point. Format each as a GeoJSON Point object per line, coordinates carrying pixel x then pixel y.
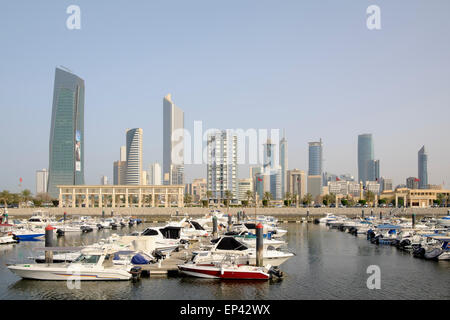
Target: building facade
{"type": "Point", "coordinates": [154, 174]}
{"type": "Point", "coordinates": [244, 185]}
{"type": "Point", "coordinates": [296, 182]}
{"type": "Point", "coordinates": [365, 156]}
{"type": "Point", "coordinates": [197, 189]}
{"type": "Point", "coordinates": [134, 156]}
{"type": "Point", "coordinates": [222, 169]}
{"type": "Point", "coordinates": [66, 147]}
{"type": "Point", "coordinates": [173, 142]}
{"type": "Point", "coordinates": [284, 165]}
{"type": "Point", "coordinates": [104, 180]}
{"type": "Point", "coordinates": [315, 150]}
{"type": "Point", "coordinates": [315, 185]}
{"type": "Point", "coordinates": [423, 168]}
{"type": "Point", "coordinates": [386, 184]}
{"type": "Point", "coordinates": [41, 181]}
{"type": "Point", "coordinates": [119, 172]}
{"type": "Point", "coordinates": [412, 183]}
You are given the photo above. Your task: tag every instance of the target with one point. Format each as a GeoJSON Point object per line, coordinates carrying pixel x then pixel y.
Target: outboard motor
{"type": "Point", "coordinates": [276, 272]}
{"type": "Point", "coordinates": [135, 273]}
{"type": "Point", "coordinates": [370, 234]}
{"type": "Point", "coordinates": [158, 255]}
{"type": "Point", "coordinates": [113, 226]}
{"type": "Point", "coordinates": [316, 221]}
{"type": "Point", "coordinates": [86, 229]}
{"type": "Point", "coordinates": [404, 243]}
{"type": "Point", "coordinates": [99, 226]}
{"type": "Point", "coordinates": [122, 224]}
{"type": "Point", "coordinates": [59, 233]}
{"type": "Point", "coordinates": [419, 252]}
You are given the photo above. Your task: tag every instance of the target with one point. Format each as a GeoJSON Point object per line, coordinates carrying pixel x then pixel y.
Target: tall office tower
{"type": "Point", "coordinates": [134, 156]}
{"type": "Point", "coordinates": [41, 181]}
{"type": "Point", "coordinates": [284, 164]}
{"type": "Point", "coordinates": [373, 170]}
{"type": "Point", "coordinates": [296, 182]}
{"type": "Point", "coordinates": [365, 155]}
{"type": "Point", "coordinates": [222, 164]}
{"type": "Point", "coordinates": [154, 174]}
{"type": "Point", "coordinates": [104, 180]}
{"type": "Point", "coordinates": [173, 142]}
{"type": "Point", "coordinates": [123, 153]}
{"type": "Point", "coordinates": [244, 185]}
{"type": "Point", "coordinates": [253, 172]}
{"type": "Point", "coordinates": [412, 183]}
{"type": "Point", "coordinates": [269, 156]}
{"type": "Point", "coordinates": [119, 172]}
{"type": "Point", "coordinates": [273, 170]}
{"type": "Point", "coordinates": [66, 152]}
{"type": "Point", "coordinates": [423, 168]}
{"type": "Point", "coordinates": [315, 158]}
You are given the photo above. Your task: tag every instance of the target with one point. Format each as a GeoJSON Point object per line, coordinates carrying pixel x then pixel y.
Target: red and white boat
{"type": "Point", "coordinates": [229, 271]}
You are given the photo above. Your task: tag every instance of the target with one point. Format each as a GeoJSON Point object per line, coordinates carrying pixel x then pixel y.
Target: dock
{"type": "Point", "coordinates": [169, 266]}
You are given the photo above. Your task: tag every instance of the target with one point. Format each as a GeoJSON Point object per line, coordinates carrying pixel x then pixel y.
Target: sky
{"type": "Point", "coordinates": [310, 67]}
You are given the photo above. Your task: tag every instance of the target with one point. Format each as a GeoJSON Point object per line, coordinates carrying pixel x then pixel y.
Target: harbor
{"type": "Point", "coordinates": [324, 257]}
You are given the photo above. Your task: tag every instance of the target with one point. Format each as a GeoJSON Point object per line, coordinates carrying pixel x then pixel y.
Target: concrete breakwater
{"type": "Point", "coordinates": [195, 211]}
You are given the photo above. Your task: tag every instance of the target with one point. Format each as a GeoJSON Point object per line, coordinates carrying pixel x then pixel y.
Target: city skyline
{"type": "Point", "coordinates": [294, 82]}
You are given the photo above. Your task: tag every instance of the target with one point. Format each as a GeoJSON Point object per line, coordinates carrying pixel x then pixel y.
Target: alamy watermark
{"type": "Point", "coordinates": [374, 280]}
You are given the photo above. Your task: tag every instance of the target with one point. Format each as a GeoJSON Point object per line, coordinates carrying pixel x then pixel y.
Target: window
{"type": "Point", "coordinates": [89, 259]}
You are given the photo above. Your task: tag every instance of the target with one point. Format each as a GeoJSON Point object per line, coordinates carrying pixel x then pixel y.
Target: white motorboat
{"type": "Point", "coordinates": [6, 235]}
{"type": "Point", "coordinates": [329, 217]}
{"type": "Point", "coordinates": [228, 245]}
{"type": "Point", "coordinates": [444, 221]}
{"type": "Point", "coordinates": [92, 264]}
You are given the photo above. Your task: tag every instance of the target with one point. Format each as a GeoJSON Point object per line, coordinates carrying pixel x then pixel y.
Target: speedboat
{"type": "Point", "coordinates": [229, 271]}
{"type": "Point", "coordinates": [91, 264]}
{"type": "Point", "coordinates": [6, 235]}
{"type": "Point", "coordinates": [444, 221]}
{"type": "Point", "coordinates": [228, 245]}
{"type": "Point", "coordinates": [329, 217]}
{"type": "Point", "coordinates": [28, 234]}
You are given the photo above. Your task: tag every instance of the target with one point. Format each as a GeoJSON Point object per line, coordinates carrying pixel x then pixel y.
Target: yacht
{"type": "Point", "coordinates": [91, 264]}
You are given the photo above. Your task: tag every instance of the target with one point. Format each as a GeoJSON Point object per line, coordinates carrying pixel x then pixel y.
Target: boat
{"type": "Point", "coordinates": [228, 245]}
{"type": "Point", "coordinates": [91, 264]}
{"type": "Point", "coordinates": [6, 235]}
{"type": "Point", "coordinates": [28, 234]}
{"type": "Point", "coordinates": [230, 270]}
{"type": "Point", "coordinates": [444, 221]}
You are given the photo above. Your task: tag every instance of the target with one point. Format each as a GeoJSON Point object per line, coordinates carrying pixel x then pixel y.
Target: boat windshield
{"type": "Point", "coordinates": [87, 258]}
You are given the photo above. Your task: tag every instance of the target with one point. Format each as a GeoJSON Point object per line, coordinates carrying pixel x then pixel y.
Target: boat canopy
{"type": "Point", "coordinates": [230, 243]}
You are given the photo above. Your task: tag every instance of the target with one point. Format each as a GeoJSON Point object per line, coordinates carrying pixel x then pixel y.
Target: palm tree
{"type": "Point", "coordinates": [228, 196]}
{"type": "Point", "coordinates": [288, 197]}
{"type": "Point", "coordinates": [307, 199]}
{"type": "Point", "coordinates": [440, 197]}
{"type": "Point", "coordinates": [5, 196]}
{"type": "Point", "coordinates": [209, 195]}
{"type": "Point", "coordinates": [370, 196]}
{"type": "Point", "coordinates": [187, 198]}
{"type": "Point", "coordinates": [267, 197]}
{"type": "Point", "coordinates": [26, 195]}
{"type": "Point", "coordinates": [249, 195]}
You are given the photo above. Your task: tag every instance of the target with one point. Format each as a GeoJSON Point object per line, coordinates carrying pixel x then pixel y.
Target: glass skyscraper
{"type": "Point", "coordinates": [134, 156]}
{"type": "Point", "coordinates": [173, 142]}
{"type": "Point", "coordinates": [365, 157]}
{"type": "Point", "coordinates": [66, 148]}
{"type": "Point", "coordinates": [315, 158]}
{"type": "Point", "coordinates": [423, 168]}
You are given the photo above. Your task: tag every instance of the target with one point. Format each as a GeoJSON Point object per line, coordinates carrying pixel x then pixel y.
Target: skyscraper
{"type": "Point", "coordinates": [423, 168]}
{"type": "Point", "coordinates": [66, 147]}
{"type": "Point", "coordinates": [272, 170]}
{"type": "Point", "coordinates": [134, 156]}
{"type": "Point", "coordinates": [373, 170]}
{"type": "Point", "coordinates": [41, 181]}
{"type": "Point", "coordinates": [315, 158]}
{"type": "Point", "coordinates": [284, 165]}
{"type": "Point", "coordinates": [173, 141]}
{"type": "Point", "coordinates": [222, 164]}
{"type": "Point", "coordinates": [119, 172]}
{"type": "Point", "coordinates": [123, 153]}
{"type": "Point", "coordinates": [365, 155]}
{"type": "Point", "coordinates": [154, 174]}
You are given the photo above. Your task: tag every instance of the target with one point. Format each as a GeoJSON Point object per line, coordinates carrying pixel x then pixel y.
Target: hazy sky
{"type": "Point", "coordinates": [311, 67]}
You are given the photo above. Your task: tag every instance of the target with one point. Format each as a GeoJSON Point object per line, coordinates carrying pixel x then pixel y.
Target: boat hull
{"type": "Point", "coordinates": [213, 272]}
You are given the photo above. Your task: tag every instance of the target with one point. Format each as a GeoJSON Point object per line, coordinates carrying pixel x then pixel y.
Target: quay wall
{"type": "Point", "coordinates": [195, 211]}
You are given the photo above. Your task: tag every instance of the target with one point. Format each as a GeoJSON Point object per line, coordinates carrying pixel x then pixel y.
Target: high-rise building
{"type": "Point", "coordinates": [66, 152]}
{"type": "Point", "coordinates": [244, 185]}
{"type": "Point", "coordinates": [296, 182]}
{"type": "Point", "coordinates": [386, 184]}
{"type": "Point", "coordinates": [222, 164]}
{"type": "Point", "coordinates": [104, 180]}
{"type": "Point", "coordinates": [284, 165]}
{"type": "Point", "coordinates": [373, 170]}
{"type": "Point", "coordinates": [423, 168]}
{"type": "Point", "coordinates": [365, 155]}
{"type": "Point", "coordinates": [373, 186]}
{"type": "Point", "coordinates": [173, 142]}
{"type": "Point", "coordinates": [315, 158]}
{"type": "Point", "coordinates": [154, 174]}
{"type": "Point", "coordinates": [412, 183]}
{"type": "Point", "coordinates": [272, 170]}
{"type": "Point", "coordinates": [315, 185]}
{"type": "Point", "coordinates": [123, 153]}
{"type": "Point", "coordinates": [253, 172]}
{"type": "Point", "coordinates": [41, 181]}
{"type": "Point", "coordinates": [119, 172]}
{"type": "Point", "coordinates": [197, 189]}
{"type": "Point", "coordinates": [134, 156]}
